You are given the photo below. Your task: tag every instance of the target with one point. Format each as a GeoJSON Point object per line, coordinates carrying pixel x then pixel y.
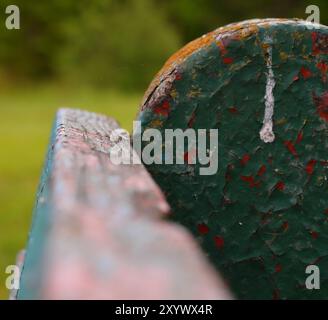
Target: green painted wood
{"type": "Point", "coordinates": [33, 266]}
{"type": "Point", "coordinates": [262, 218]}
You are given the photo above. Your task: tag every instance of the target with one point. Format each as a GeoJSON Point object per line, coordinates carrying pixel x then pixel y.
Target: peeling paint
{"type": "Point", "coordinates": [266, 133]}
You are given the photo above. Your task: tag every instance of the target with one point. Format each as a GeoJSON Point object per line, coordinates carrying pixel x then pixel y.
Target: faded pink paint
{"type": "Point", "coordinates": [107, 239]}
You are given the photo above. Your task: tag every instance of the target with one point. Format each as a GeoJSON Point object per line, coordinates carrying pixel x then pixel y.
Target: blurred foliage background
{"type": "Point", "coordinates": [117, 43]}
{"type": "Point", "coordinates": [98, 55]}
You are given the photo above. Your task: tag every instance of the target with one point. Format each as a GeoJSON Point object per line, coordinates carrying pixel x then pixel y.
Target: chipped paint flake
{"type": "Point", "coordinates": [266, 133]}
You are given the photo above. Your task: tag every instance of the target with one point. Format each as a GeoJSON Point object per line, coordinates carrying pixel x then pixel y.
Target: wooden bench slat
{"type": "Point", "coordinates": [98, 230]}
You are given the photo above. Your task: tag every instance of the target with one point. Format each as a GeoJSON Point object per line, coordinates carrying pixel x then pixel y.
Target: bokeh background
{"type": "Point", "coordinates": [97, 55]}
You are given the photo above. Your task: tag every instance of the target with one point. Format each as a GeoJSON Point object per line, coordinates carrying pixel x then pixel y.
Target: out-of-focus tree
{"type": "Point", "coordinates": [193, 18]}
{"type": "Point", "coordinates": [118, 43]}
{"type": "Point", "coordinates": [103, 42]}
{"type": "Point", "coordinates": [31, 52]}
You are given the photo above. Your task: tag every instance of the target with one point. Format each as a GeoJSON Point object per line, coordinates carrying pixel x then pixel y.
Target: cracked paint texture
{"type": "Point", "coordinates": [263, 217]}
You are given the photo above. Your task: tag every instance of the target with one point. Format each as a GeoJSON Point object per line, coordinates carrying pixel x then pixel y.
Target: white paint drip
{"type": "Point", "coordinates": [266, 133]}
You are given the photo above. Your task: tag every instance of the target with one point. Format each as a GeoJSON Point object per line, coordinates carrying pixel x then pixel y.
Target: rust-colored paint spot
{"type": "Point", "coordinates": [245, 159]}
{"type": "Point", "coordinates": [236, 31]}
{"type": "Point", "coordinates": [186, 51]}
{"type": "Point", "coordinates": [219, 242]}
{"type": "Point", "coordinates": [291, 148]}
{"type": "Point", "coordinates": [203, 228]}
{"type": "Point", "coordinates": [227, 60]}
{"type": "Point", "coordinates": [299, 137]}
{"type": "Point", "coordinates": [310, 166]}
{"type": "Point", "coordinates": [233, 110]}
{"type": "Point", "coordinates": [261, 171]}
{"type": "Point", "coordinates": [156, 123]}
{"type": "Point", "coordinates": [163, 109]}
{"type": "Point", "coordinates": [321, 103]}
{"type": "Point", "coordinates": [278, 268]}
{"type": "Point", "coordinates": [306, 73]}
{"type": "Point", "coordinates": [280, 186]}
{"type": "Point", "coordinates": [251, 181]}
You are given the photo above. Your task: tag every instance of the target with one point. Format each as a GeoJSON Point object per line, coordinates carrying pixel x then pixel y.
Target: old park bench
{"type": "Point", "coordinates": [102, 230]}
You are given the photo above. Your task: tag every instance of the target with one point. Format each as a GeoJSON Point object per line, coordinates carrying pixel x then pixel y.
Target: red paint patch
{"type": "Point", "coordinates": [291, 148]}
{"type": "Point", "coordinates": [163, 109]}
{"type": "Point", "coordinates": [323, 67]}
{"type": "Point", "coordinates": [280, 186]}
{"type": "Point", "coordinates": [314, 234]}
{"type": "Point", "coordinates": [306, 73]}
{"type": "Point", "coordinates": [278, 268]}
{"type": "Point", "coordinates": [315, 49]}
{"type": "Point", "coordinates": [233, 110]}
{"type": "Point", "coordinates": [285, 226]}
{"type": "Point", "coordinates": [261, 171]}
{"type": "Point", "coordinates": [295, 78]}
{"type": "Point", "coordinates": [189, 156]}
{"type": "Point", "coordinates": [223, 50]}
{"type": "Point", "coordinates": [227, 60]}
{"type": "Point", "coordinates": [219, 242]}
{"type": "Point", "coordinates": [203, 228]}
{"type": "Point", "coordinates": [310, 166]}
{"type": "Point", "coordinates": [245, 159]}
{"type": "Point", "coordinates": [251, 181]}
{"type": "Point", "coordinates": [192, 120]}
{"type": "Point", "coordinates": [326, 211]}
{"type": "Point", "coordinates": [322, 105]}
{"type": "Point", "coordinates": [299, 137]}
{"type": "Point", "coordinates": [178, 77]}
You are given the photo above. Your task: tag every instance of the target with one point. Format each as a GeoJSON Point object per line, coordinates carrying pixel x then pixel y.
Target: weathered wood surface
{"type": "Point", "coordinates": [262, 218]}
{"type": "Point", "coordinates": [99, 231]}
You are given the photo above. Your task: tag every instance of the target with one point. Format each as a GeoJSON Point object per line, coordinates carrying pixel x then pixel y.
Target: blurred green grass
{"type": "Point", "coordinates": [26, 117]}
